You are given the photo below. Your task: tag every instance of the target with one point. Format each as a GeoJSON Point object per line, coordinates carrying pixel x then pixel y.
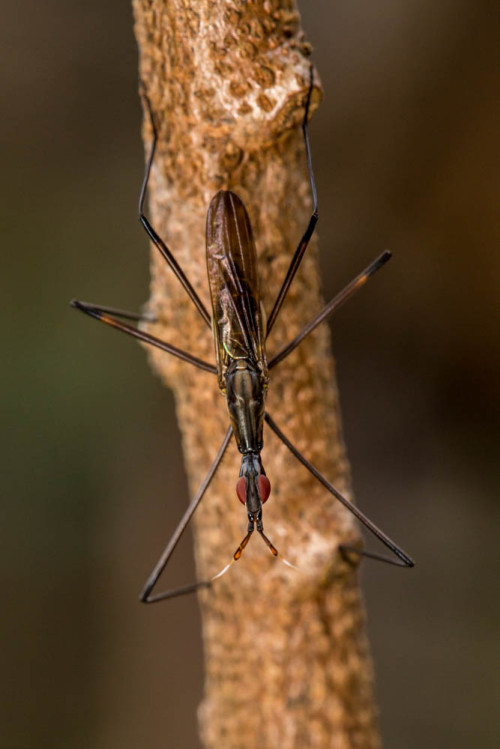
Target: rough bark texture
{"type": "Point", "coordinates": [286, 656]}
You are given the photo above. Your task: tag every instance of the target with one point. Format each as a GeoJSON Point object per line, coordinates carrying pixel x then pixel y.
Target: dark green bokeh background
{"type": "Point", "coordinates": [406, 155]}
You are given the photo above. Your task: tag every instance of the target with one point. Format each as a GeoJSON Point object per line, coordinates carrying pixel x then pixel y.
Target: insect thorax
{"type": "Point", "coordinates": [246, 390]}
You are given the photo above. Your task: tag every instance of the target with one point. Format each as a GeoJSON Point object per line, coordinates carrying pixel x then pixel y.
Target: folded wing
{"type": "Point", "coordinates": [237, 317]}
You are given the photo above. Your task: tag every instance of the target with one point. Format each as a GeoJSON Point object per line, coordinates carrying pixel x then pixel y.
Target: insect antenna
{"type": "Point", "coordinates": [273, 549]}
{"type": "Point", "coordinates": [239, 551]}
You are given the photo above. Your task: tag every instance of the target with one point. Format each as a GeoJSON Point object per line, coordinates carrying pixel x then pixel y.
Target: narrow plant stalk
{"type": "Point", "coordinates": [287, 662]}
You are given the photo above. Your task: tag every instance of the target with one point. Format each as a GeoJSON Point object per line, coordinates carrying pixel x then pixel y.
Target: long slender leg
{"type": "Point", "coordinates": [139, 316]}
{"type": "Point", "coordinates": [155, 238]}
{"type": "Point", "coordinates": [403, 559]}
{"type": "Point", "coordinates": [98, 313]}
{"type": "Point", "coordinates": [333, 305]}
{"type": "Point", "coordinates": [146, 596]}
{"type": "Point", "coordinates": [302, 246]}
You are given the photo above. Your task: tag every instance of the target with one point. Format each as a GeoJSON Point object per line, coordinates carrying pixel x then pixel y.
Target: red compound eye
{"type": "Point", "coordinates": [241, 489]}
{"type": "Point", "coordinates": [264, 488]}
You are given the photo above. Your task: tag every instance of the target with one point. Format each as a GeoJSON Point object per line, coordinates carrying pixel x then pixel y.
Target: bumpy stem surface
{"type": "Point", "coordinates": [287, 663]}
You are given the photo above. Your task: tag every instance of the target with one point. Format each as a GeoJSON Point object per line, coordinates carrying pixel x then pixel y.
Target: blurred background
{"type": "Point", "coordinates": [406, 154]}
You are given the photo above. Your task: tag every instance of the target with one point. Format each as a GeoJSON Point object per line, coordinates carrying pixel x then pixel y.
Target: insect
{"type": "Point", "coordinates": [240, 333]}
